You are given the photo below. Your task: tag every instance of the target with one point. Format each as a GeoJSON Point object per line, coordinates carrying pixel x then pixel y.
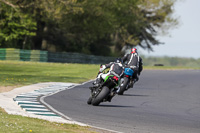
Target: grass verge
{"type": "Point", "coordinates": [20, 124]}
{"type": "Point", "coordinates": [15, 74]}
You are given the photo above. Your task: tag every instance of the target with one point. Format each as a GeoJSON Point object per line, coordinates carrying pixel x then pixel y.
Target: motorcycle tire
{"type": "Point", "coordinates": [89, 101]}
{"type": "Point", "coordinates": [124, 86]}
{"type": "Point", "coordinates": [103, 94]}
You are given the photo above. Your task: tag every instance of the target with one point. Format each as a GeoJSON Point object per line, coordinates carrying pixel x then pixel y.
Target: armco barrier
{"type": "Point", "coordinates": [2, 54]}
{"type": "Point", "coordinates": [23, 55]}
{"type": "Point", "coordinates": [12, 54]}
{"type": "Point", "coordinates": [77, 58]}
{"type": "Point", "coordinates": [44, 56]}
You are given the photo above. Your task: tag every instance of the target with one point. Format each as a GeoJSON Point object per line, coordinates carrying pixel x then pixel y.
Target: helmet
{"type": "Point", "coordinates": [118, 60]}
{"type": "Point", "coordinates": [133, 50]}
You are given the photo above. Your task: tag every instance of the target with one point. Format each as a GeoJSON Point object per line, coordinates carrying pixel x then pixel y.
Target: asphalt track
{"type": "Point", "coordinates": [162, 101]}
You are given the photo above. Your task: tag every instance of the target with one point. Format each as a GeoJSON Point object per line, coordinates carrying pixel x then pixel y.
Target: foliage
{"type": "Point", "coordinates": [150, 16]}
{"type": "Point", "coordinates": [172, 61]}
{"type": "Point", "coordinates": [15, 27]}
{"type": "Point", "coordinates": [86, 26]}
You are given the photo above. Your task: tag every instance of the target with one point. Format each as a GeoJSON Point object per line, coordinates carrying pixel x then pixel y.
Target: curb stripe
{"type": "Point", "coordinates": [49, 115]}
{"type": "Point", "coordinates": [23, 103]}
{"type": "Point", "coordinates": [37, 110]}
{"type": "Point", "coordinates": [29, 101]}
{"type": "Point", "coordinates": [32, 107]}
{"type": "Point", "coordinates": [26, 96]}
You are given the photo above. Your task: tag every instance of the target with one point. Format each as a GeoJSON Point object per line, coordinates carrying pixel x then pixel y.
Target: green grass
{"type": "Point", "coordinates": [20, 124]}
{"type": "Point", "coordinates": [25, 73]}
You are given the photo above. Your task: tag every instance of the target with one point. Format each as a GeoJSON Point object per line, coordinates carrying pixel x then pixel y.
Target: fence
{"type": "Point", "coordinates": [44, 56]}
{"type": "Point", "coordinates": [23, 55]}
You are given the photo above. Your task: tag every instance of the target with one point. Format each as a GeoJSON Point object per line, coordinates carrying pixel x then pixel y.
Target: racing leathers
{"type": "Point", "coordinates": [133, 61]}
{"type": "Point", "coordinates": [116, 69]}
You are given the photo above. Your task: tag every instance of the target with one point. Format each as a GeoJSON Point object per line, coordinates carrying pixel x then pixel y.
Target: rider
{"type": "Point", "coordinates": [134, 61]}
{"type": "Point", "coordinates": [116, 69]}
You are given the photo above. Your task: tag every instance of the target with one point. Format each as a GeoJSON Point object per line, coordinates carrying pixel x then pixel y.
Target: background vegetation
{"type": "Point", "coordinates": [172, 61]}
{"type": "Point", "coordinates": [85, 26]}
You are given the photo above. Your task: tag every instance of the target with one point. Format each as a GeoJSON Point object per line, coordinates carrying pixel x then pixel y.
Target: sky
{"type": "Point", "coordinates": [183, 41]}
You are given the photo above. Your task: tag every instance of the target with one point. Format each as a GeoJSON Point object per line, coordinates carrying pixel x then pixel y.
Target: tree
{"type": "Point", "coordinates": [15, 26]}
{"type": "Point", "coordinates": [88, 31]}
{"type": "Point", "coordinates": [38, 16]}
{"type": "Point", "coordinates": [118, 23]}
{"type": "Point", "coordinates": [143, 23]}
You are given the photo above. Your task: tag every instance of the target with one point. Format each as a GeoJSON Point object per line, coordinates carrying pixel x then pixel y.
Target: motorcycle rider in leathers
{"type": "Point", "coordinates": [116, 69]}
{"type": "Point", "coordinates": [134, 61]}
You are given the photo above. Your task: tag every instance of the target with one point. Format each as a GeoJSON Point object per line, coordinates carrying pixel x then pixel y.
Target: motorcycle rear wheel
{"type": "Point", "coordinates": [99, 98]}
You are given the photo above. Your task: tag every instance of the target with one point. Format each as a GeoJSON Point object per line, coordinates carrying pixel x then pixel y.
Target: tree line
{"type": "Point", "coordinates": [171, 61]}
{"type": "Point", "coordinates": [98, 27]}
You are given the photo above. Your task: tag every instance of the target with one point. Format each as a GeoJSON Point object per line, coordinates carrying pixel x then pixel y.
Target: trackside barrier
{"type": "Point", "coordinates": [45, 56]}
{"type": "Point", "coordinates": [2, 54]}
{"type": "Point", "coordinates": [23, 55]}
{"type": "Point", "coordinates": [78, 58]}
{"type": "Point", "coordinates": [12, 54]}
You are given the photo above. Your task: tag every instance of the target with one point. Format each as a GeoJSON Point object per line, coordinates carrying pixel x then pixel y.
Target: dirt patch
{"type": "Point", "coordinates": [7, 88]}
{"type": "Point", "coordinates": [2, 110]}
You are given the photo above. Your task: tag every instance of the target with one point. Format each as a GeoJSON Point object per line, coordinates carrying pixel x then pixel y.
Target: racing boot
{"type": "Point", "coordinates": [136, 78]}
{"type": "Point", "coordinates": [131, 83]}
{"type": "Point", "coordinates": [112, 94]}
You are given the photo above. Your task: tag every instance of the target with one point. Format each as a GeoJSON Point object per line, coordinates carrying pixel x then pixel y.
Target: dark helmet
{"type": "Point", "coordinates": [119, 60]}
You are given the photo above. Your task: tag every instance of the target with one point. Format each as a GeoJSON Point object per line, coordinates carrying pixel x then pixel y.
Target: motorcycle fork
{"type": "Point", "coordinates": [95, 91]}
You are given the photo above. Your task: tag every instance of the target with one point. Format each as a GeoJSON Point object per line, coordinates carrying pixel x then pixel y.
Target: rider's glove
{"type": "Point", "coordinates": [103, 67]}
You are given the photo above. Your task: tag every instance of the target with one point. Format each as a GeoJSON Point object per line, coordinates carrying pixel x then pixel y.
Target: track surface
{"type": "Point", "coordinates": [161, 102]}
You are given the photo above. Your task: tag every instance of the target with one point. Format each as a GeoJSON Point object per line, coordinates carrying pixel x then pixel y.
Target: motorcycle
{"type": "Point", "coordinates": [124, 85]}
{"type": "Point", "coordinates": [104, 92]}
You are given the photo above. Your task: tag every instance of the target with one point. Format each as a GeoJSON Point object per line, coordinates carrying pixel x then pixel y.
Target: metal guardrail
{"type": "Point", "coordinates": [23, 55]}
{"type": "Point", "coordinates": [45, 56]}
{"type": "Point", "coordinates": [78, 58]}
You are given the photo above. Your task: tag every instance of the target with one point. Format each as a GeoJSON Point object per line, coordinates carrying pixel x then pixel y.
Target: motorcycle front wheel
{"type": "Point", "coordinates": [99, 98]}
{"type": "Point", "coordinates": [123, 86]}
{"type": "Point", "coordinates": [89, 101]}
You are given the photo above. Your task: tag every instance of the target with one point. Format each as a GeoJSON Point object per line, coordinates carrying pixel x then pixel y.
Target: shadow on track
{"type": "Point", "coordinates": [117, 106]}
{"type": "Point", "coordinates": [134, 95]}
